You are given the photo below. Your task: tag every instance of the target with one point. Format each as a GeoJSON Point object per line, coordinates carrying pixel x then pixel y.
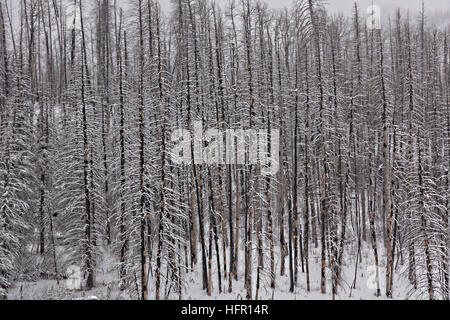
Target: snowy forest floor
{"type": "Point", "coordinates": [107, 289]}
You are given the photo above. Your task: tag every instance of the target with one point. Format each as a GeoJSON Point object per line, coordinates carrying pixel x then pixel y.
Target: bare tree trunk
{"type": "Point", "coordinates": [89, 265]}
{"type": "Point", "coordinates": [324, 171]}
{"type": "Point", "coordinates": [143, 213]}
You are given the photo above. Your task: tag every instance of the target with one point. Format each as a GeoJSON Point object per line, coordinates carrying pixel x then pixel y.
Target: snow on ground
{"type": "Point", "coordinates": [106, 286]}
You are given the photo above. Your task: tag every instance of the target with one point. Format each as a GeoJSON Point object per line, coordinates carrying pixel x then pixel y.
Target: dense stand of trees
{"type": "Point", "coordinates": [91, 92]}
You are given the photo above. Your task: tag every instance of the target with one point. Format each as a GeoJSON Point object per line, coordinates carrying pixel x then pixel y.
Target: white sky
{"type": "Point", "coordinates": [388, 7]}
{"type": "Point", "coordinates": [346, 6]}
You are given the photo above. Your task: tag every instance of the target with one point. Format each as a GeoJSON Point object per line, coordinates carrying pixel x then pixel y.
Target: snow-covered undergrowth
{"type": "Point", "coordinates": [106, 287]}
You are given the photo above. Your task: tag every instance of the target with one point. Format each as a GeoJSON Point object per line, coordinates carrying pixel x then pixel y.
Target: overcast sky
{"type": "Point", "coordinates": [346, 6]}
{"type": "Point", "coordinates": [388, 7]}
